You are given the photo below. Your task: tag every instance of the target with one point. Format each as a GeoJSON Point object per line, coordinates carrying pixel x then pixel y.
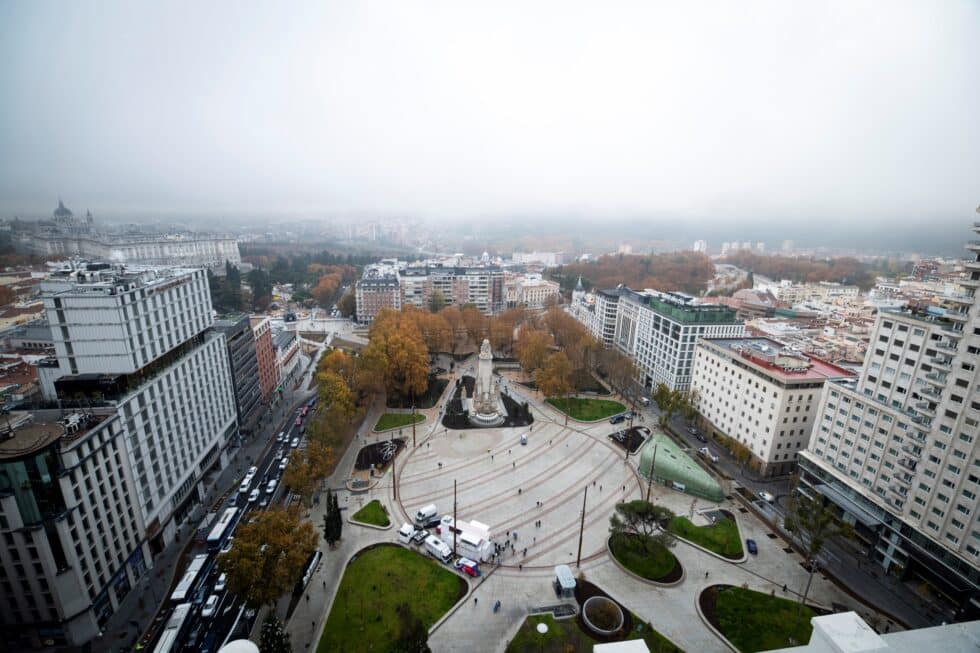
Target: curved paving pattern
{"type": "Point", "coordinates": [523, 485]}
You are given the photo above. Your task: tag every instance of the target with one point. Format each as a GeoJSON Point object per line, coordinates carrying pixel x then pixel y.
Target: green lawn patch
{"type": "Point", "coordinates": [373, 513]}
{"type": "Point", "coordinates": [566, 635]}
{"type": "Point", "coordinates": [754, 621]}
{"type": "Point", "coordinates": [650, 560]}
{"type": "Point", "coordinates": [378, 584]}
{"type": "Point", "coordinates": [722, 537]}
{"type": "Point", "coordinates": [587, 410]}
{"type": "Point", "coordinates": [395, 420]}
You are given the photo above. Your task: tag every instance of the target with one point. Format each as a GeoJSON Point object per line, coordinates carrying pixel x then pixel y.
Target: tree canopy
{"type": "Point", "coordinates": [268, 555]}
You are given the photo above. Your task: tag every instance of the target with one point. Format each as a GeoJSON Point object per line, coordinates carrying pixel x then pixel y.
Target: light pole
{"type": "Point", "coordinates": [653, 466]}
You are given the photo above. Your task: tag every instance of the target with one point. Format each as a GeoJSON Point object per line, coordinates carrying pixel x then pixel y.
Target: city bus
{"type": "Point", "coordinates": [221, 528]}
{"type": "Point", "coordinates": [187, 582]}
{"type": "Point", "coordinates": [171, 632]}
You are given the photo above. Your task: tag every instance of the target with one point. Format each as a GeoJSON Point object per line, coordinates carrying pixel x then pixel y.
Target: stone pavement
{"type": "Point", "coordinates": [512, 488]}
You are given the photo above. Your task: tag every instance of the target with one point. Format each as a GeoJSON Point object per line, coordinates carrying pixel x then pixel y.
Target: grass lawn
{"type": "Point", "coordinates": [394, 420]}
{"type": "Point", "coordinates": [372, 513]}
{"type": "Point", "coordinates": [566, 635]}
{"type": "Point", "coordinates": [365, 617]}
{"type": "Point", "coordinates": [754, 621]}
{"type": "Point", "coordinates": [587, 410]}
{"type": "Point", "coordinates": [654, 564]}
{"type": "Point", "coordinates": [721, 537]}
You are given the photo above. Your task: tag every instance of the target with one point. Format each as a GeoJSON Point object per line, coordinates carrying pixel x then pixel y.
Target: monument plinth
{"type": "Point", "coordinates": [487, 407]}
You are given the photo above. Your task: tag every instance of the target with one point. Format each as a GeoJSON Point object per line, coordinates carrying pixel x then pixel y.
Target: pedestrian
{"type": "Point", "coordinates": [515, 536]}
{"type": "Point", "coordinates": [593, 483]}
{"type": "Point", "coordinates": [535, 540]}
{"type": "Point", "coordinates": [525, 552]}
{"type": "Point", "coordinates": [518, 491]}
{"type": "Point", "coordinates": [513, 465]}
{"type": "Point", "coordinates": [705, 574]}
{"type": "Point", "coordinates": [624, 488]}
{"type": "Point", "coordinates": [491, 457]}
{"type": "Point", "coordinates": [784, 587]}
{"type": "Point", "coordinates": [508, 451]}
{"type": "Point", "coordinates": [324, 584]}
{"type": "Point", "coordinates": [520, 567]}
{"type": "Point", "coordinates": [307, 598]}
{"type": "Point", "coordinates": [600, 488]}
{"type": "Point", "coordinates": [474, 600]}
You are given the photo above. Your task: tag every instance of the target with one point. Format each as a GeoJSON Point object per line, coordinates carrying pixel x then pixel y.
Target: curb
{"type": "Point", "coordinates": [641, 578]}
{"type": "Point", "coordinates": [704, 619]}
{"type": "Point", "coordinates": [734, 561]}
{"type": "Point", "coordinates": [404, 426]}
{"type": "Point", "coordinates": [351, 520]}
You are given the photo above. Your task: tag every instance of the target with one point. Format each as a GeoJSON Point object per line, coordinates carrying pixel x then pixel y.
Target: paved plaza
{"type": "Point", "coordinates": [512, 487]}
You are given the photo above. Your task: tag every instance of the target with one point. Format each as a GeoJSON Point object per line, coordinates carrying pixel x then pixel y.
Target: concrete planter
{"type": "Point", "coordinates": [641, 578]}
{"type": "Point", "coordinates": [599, 603]}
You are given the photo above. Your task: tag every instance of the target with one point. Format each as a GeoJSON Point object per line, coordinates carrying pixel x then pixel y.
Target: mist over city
{"type": "Point", "coordinates": [511, 327]}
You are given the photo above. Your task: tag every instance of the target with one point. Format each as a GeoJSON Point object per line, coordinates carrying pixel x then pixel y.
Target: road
{"type": "Point", "coordinates": [207, 634]}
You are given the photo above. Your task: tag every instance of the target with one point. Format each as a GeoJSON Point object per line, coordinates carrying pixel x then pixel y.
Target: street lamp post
{"type": "Point", "coordinates": [653, 466]}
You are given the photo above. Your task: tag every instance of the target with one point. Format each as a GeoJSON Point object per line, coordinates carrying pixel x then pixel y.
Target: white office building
{"type": "Point", "coordinates": [761, 394]}
{"type": "Point", "coordinates": [897, 453]}
{"type": "Point", "coordinates": [160, 383]}
{"type": "Point", "coordinates": [659, 331]}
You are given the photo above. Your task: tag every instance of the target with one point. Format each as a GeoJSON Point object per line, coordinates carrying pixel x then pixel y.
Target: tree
{"type": "Point", "coordinates": [232, 288]}
{"type": "Point", "coordinates": [306, 468]}
{"type": "Point", "coordinates": [813, 524]}
{"type": "Point", "coordinates": [261, 287]}
{"type": "Point", "coordinates": [274, 638]}
{"type": "Point", "coordinates": [413, 637]}
{"type": "Point", "coordinates": [475, 324]}
{"type": "Point", "coordinates": [554, 379]}
{"type": "Point", "coordinates": [268, 555]}
{"type": "Point", "coordinates": [533, 347]}
{"type": "Point", "coordinates": [332, 522]}
{"type": "Point", "coordinates": [643, 520]}
{"type": "Point", "coordinates": [347, 304]}
{"type": "Point", "coordinates": [670, 402]}
{"type": "Point", "coordinates": [620, 369]}
{"type": "Point", "coordinates": [454, 318]}
{"type": "Point", "coordinates": [437, 301]}
{"type": "Point", "coordinates": [326, 289]}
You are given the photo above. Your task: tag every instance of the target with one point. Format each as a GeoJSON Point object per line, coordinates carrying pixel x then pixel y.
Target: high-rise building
{"type": "Point", "coordinates": [602, 320]}
{"type": "Point", "coordinates": [659, 331]}
{"type": "Point", "coordinates": [701, 246]}
{"type": "Point", "coordinates": [89, 499]}
{"type": "Point", "coordinates": [897, 452]}
{"type": "Point", "coordinates": [761, 394]}
{"type": "Point", "coordinates": [265, 353]}
{"type": "Point", "coordinates": [244, 361]}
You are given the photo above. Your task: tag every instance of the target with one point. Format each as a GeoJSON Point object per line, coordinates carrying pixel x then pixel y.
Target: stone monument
{"type": "Point", "coordinates": [487, 407]}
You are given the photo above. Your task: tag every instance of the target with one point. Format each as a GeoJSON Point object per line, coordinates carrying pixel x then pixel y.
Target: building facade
{"type": "Point", "coordinates": [602, 319]}
{"type": "Point", "coordinates": [75, 237]}
{"type": "Point", "coordinates": [244, 361]}
{"type": "Point", "coordinates": [896, 452]}
{"type": "Point", "coordinates": [761, 394]}
{"type": "Point", "coordinates": [529, 291]}
{"type": "Point", "coordinates": [660, 330]}
{"type": "Point", "coordinates": [287, 354]}
{"type": "Point", "coordinates": [88, 500]}
{"type": "Point", "coordinates": [265, 354]}
{"type": "Point", "coordinates": [393, 284]}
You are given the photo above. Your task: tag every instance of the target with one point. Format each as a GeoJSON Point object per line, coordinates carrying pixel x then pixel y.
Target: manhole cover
{"type": "Point", "coordinates": [771, 536]}
{"type": "Point", "coordinates": [542, 628]}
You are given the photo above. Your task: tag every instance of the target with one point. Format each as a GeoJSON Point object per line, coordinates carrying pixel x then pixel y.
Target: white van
{"type": "Point", "coordinates": [405, 533]}
{"type": "Point", "coordinates": [427, 515]}
{"type": "Point", "coordinates": [438, 549]}
{"type": "Point", "coordinates": [271, 487]}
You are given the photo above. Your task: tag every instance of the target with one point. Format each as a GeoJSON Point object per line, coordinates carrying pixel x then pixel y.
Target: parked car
{"type": "Point", "coordinates": [283, 463]}
{"type": "Point", "coordinates": [254, 495]}
{"type": "Point", "coordinates": [419, 536]}
{"type": "Point", "coordinates": [227, 546]}
{"type": "Point", "coordinates": [768, 497]}
{"type": "Point", "coordinates": [295, 443]}
{"type": "Point", "coordinates": [617, 419]}
{"type": "Point", "coordinates": [281, 436]}
{"type": "Point", "coordinates": [645, 401]}
{"type": "Point", "coordinates": [252, 471]}
{"type": "Point", "coordinates": [222, 582]}
{"type": "Point", "coordinates": [751, 546]}
{"type": "Point", "coordinates": [469, 567]}
{"type": "Point", "coordinates": [299, 421]}
{"type": "Point", "coordinates": [210, 607]}
{"type": "Point", "coordinates": [704, 451]}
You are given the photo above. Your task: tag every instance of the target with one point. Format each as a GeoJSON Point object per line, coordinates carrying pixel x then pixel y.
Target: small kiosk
{"type": "Point", "coordinates": [564, 582]}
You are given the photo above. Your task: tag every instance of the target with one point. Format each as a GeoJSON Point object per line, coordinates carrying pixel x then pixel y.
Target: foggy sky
{"type": "Point", "coordinates": [846, 111]}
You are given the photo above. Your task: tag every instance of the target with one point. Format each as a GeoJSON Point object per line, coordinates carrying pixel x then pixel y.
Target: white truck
{"type": "Point", "coordinates": [427, 516]}
{"type": "Point", "coordinates": [438, 549]}
{"type": "Point", "coordinates": [472, 539]}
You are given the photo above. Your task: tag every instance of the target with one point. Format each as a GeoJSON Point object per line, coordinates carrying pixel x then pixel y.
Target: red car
{"type": "Point", "coordinates": [469, 567]}
{"type": "Point", "coordinates": [306, 409]}
{"type": "Point", "coordinates": [299, 421]}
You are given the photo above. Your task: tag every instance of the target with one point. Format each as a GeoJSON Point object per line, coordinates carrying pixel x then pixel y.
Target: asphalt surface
{"type": "Point", "coordinates": [231, 619]}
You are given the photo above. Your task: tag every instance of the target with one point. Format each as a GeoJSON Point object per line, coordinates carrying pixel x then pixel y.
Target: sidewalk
{"type": "Point", "coordinates": [137, 610]}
